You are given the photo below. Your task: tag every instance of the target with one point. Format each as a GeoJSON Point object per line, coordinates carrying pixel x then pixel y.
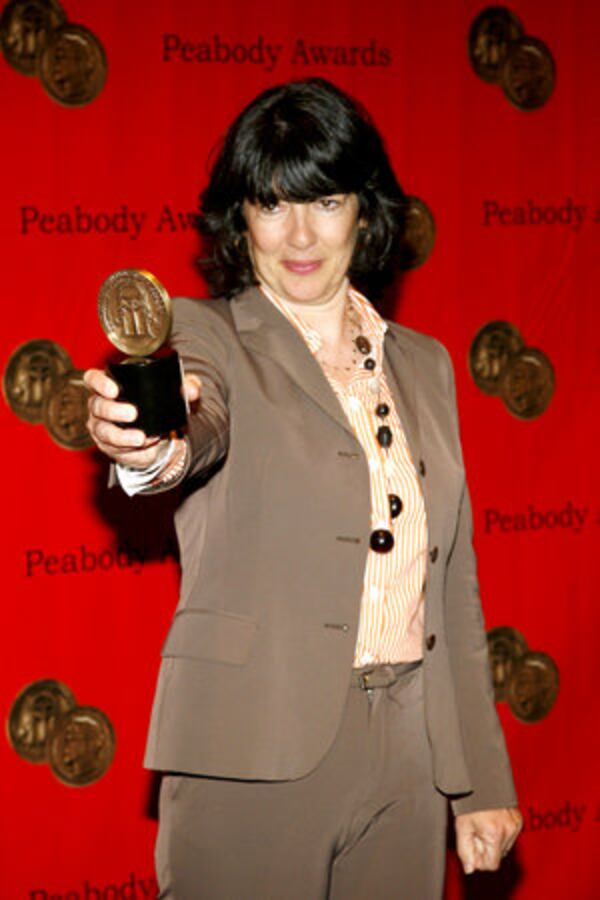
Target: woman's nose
{"type": "Point", "coordinates": [300, 231]}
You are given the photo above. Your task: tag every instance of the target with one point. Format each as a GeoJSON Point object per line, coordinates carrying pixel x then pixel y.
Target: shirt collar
{"type": "Point", "coordinates": [371, 323]}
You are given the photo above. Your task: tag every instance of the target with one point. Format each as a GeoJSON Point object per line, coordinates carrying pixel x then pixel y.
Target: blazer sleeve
{"type": "Point", "coordinates": [202, 336]}
{"type": "Point", "coordinates": [487, 758]}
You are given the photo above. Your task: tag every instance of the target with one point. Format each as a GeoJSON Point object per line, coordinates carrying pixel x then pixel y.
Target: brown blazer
{"type": "Point", "coordinates": [274, 531]}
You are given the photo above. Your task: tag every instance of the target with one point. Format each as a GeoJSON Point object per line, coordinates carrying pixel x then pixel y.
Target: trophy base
{"type": "Point", "coordinates": [154, 386]}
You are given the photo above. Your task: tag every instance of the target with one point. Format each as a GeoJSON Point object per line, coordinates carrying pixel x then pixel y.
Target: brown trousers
{"type": "Point", "coordinates": [366, 824]}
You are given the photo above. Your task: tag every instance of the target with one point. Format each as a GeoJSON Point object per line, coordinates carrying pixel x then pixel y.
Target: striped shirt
{"type": "Point", "coordinates": [391, 613]}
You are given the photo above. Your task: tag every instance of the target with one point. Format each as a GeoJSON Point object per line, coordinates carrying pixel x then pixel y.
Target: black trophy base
{"type": "Point", "coordinates": [154, 386]}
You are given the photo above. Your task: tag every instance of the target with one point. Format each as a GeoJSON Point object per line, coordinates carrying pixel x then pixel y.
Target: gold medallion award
{"type": "Point", "coordinates": [135, 313]}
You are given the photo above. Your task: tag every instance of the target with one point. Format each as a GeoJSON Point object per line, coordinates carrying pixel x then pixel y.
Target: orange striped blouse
{"type": "Point", "coordinates": [391, 614]}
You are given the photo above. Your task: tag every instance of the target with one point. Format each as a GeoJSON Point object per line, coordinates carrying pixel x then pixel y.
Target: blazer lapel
{"type": "Point", "coordinates": [263, 329]}
{"type": "Point", "coordinates": [399, 369]}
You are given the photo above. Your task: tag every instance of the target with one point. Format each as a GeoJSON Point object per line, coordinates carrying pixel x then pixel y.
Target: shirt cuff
{"type": "Point", "coordinates": [133, 481]}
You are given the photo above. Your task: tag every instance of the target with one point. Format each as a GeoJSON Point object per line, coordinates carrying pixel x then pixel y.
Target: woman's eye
{"type": "Point", "coordinates": [329, 202]}
{"type": "Point", "coordinates": [269, 208]}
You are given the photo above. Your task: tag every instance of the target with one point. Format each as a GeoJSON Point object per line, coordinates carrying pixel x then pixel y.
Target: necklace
{"type": "Point", "coordinates": [382, 538]}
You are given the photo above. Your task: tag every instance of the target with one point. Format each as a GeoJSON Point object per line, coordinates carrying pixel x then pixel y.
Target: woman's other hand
{"type": "Point", "coordinates": [483, 838]}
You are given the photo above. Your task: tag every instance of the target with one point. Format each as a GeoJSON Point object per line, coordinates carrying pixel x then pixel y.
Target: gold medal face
{"type": "Point", "coordinates": [29, 376]}
{"type": "Point", "coordinates": [135, 312]}
{"type": "Point", "coordinates": [505, 646]}
{"type": "Point", "coordinates": [492, 347]}
{"type": "Point", "coordinates": [25, 27]}
{"type": "Point", "coordinates": [419, 233]}
{"type": "Point", "coordinates": [66, 412]}
{"type": "Point", "coordinates": [489, 40]}
{"type": "Point", "coordinates": [72, 66]}
{"type": "Point", "coordinates": [528, 74]}
{"type": "Point", "coordinates": [82, 746]}
{"type": "Point", "coordinates": [34, 716]}
{"type": "Point", "coordinates": [527, 383]}
{"type": "Point", "coordinates": [533, 686]}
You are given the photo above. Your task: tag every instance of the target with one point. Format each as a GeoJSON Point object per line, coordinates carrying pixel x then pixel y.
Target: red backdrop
{"type": "Point", "coordinates": [141, 148]}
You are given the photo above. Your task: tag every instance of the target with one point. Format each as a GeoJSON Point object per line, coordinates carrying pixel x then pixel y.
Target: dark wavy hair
{"type": "Point", "coordinates": [298, 142]}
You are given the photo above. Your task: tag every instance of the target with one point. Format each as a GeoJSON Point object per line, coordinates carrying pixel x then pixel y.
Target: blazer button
{"type": "Point", "coordinates": [422, 469]}
{"type": "Point", "coordinates": [433, 555]}
{"type": "Point", "coordinates": [430, 642]}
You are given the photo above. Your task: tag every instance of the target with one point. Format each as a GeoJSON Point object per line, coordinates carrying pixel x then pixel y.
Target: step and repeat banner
{"type": "Point", "coordinates": [111, 114]}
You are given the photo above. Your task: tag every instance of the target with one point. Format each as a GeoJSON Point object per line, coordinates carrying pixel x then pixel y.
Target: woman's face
{"type": "Point", "coordinates": [302, 251]}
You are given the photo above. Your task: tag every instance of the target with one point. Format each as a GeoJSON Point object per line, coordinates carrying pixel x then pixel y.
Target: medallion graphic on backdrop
{"type": "Point", "coordinates": [40, 384]}
{"type": "Point", "coordinates": [29, 377]}
{"type": "Point", "coordinates": [37, 39]}
{"type": "Point", "coordinates": [501, 53]}
{"type": "Point", "coordinates": [419, 234]}
{"type": "Point", "coordinates": [501, 365]}
{"type": "Point", "coordinates": [45, 725]}
{"type": "Point", "coordinates": [527, 679]}
{"type": "Point", "coordinates": [66, 412]}
{"type": "Point", "coordinates": [24, 29]}
{"type": "Point", "coordinates": [34, 716]}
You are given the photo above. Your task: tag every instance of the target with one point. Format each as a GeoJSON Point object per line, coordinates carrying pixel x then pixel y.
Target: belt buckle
{"type": "Point", "coordinates": [363, 680]}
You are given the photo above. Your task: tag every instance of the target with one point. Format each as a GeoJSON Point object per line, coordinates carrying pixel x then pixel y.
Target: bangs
{"type": "Point", "coordinates": [299, 167]}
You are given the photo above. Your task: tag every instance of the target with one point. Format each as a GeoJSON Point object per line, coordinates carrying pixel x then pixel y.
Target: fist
{"type": "Point", "coordinates": [128, 446]}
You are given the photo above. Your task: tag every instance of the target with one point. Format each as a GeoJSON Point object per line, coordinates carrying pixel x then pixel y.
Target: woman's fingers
{"type": "Point", "coordinates": [193, 387]}
{"type": "Point", "coordinates": [112, 436]}
{"type": "Point", "coordinates": [111, 410]}
{"type": "Point", "coordinates": [99, 383]}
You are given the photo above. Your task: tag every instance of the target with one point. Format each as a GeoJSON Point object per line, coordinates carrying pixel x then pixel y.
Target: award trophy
{"type": "Point", "coordinates": [135, 313]}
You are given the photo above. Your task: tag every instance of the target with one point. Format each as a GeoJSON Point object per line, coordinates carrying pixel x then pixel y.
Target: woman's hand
{"type": "Point", "coordinates": [484, 837]}
{"type": "Point", "coordinates": [128, 446]}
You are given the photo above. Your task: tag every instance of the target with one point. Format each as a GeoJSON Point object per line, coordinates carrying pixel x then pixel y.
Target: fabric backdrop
{"type": "Point", "coordinates": [89, 579]}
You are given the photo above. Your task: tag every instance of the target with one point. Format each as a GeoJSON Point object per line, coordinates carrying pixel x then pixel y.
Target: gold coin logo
{"type": "Point", "coordinates": [533, 686]}
{"type": "Point", "coordinates": [505, 646]}
{"type": "Point", "coordinates": [489, 39]}
{"type": "Point", "coordinates": [492, 347]}
{"type": "Point", "coordinates": [29, 376]}
{"type": "Point", "coordinates": [529, 73]}
{"type": "Point", "coordinates": [82, 746]}
{"type": "Point", "coordinates": [135, 311]}
{"type": "Point", "coordinates": [66, 412]}
{"type": "Point", "coordinates": [527, 383]}
{"type": "Point", "coordinates": [24, 29]}
{"type": "Point", "coordinates": [35, 715]}
{"type": "Point", "coordinates": [419, 233]}
{"type": "Point", "coordinates": [72, 66]}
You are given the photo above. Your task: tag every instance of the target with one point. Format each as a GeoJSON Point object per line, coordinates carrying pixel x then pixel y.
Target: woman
{"type": "Point", "coordinates": [324, 689]}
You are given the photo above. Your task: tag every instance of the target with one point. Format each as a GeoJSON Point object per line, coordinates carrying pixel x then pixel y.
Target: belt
{"type": "Point", "coordinates": [369, 677]}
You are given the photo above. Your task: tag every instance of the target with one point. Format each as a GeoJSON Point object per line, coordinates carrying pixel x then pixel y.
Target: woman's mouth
{"type": "Point", "coordinates": [301, 267]}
